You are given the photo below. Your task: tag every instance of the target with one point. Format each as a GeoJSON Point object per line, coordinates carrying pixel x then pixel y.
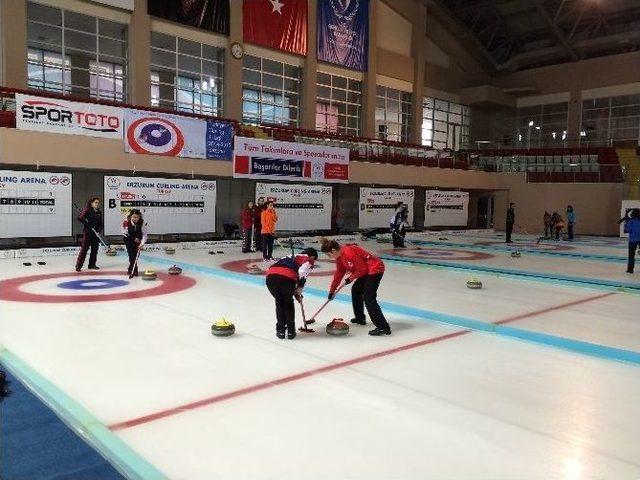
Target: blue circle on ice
{"type": "Point", "coordinates": [92, 284]}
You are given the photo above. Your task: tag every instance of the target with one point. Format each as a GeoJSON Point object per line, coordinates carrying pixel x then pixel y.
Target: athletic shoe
{"type": "Point", "coordinates": [291, 335]}
{"type": "Point", "coordinates": [377, 332]}
{"type": "Point", "coordinates": [280, 335]}
{"type": "Point", "coordinates": [94, 267]}
{"type": "Point", "coordinates": [628, 271]}
{"type": "Point", "coordinates": [357, 321]}
{"type": "Point", "coordinates": [78, 269]}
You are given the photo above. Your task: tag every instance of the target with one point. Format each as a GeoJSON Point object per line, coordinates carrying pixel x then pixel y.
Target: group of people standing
{"type": "Point", "coordinates": [554, 224]}
{"type": "Point", "coordinates": [259, 224]}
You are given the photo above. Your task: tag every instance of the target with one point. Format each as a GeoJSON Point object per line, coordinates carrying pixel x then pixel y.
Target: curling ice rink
{"type": "Point", "coordinates": [535, 376]}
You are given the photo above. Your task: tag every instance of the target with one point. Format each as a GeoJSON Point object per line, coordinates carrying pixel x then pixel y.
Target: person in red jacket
{"type": "Point", "coordinates": [366, 271]}
{"type": "Point", "coordinates": [247, 226]}
{"type": "Point", "coordinates": [285, 280]}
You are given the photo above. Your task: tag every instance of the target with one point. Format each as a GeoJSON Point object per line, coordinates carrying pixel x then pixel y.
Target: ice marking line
{"type": "Point", "coordinates": [316, 371]}
{"type": "Point", "coordinates": [546, 253]}
{"type": "Point", "coordinates": [576, 346]}
{"type": "Point", "coordinates": [82, 422]}
{"type": "Point", "coordinates": [553, 308]}
{"type": "Point", "coordinates": [277, 382]}
{"type": "Point", "coordinates": [594, 283]}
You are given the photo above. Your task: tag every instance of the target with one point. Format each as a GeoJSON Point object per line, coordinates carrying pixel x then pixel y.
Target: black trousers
{"type": "Point", "coordinates": [570, 230]}
{"type": "Point", "coordinates": [631, 261]}
{"type": "Point", "coordinates": [365, 292]}
{"type": "Point", "coordinates": [282, 290]}
{"type": "Point", "coordinates": [509, 231]}
{"type": "Point", "coordinates": [258, 238]}
{"type": "Point", "coordinates": [89, 241]}
{"type": "Point", "coordinates": [132, 251]}
{"type": "Point", "coordinates": [246, 239]}
{"type": "Point", "coordinates": [267, 245]}
{"type": "Point", "coordinates": [398, 235]}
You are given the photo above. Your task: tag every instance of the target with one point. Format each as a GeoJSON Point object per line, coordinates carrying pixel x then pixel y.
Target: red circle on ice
{"type": "Point", "coordinates": [242, 266]}
{"type": "Point", "coordinates": [10, 289]}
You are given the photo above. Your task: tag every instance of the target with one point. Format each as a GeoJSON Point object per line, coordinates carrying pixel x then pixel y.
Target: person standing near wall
{"type": "Point", "coordinates": [397, 225]}
{"type": "Point", "coordinates": [91, 218]}
{"type": "Point", "coordinates": [632, 227]}
{"type": "Point", "coordinates": [571, 220]}
{"type": "Point", "coordinates": [511, 219]}
{"type": "Point", "coordinates": [257, 223]}
{"type": "Point", "coordinates": [248, 216]}
{"type": "Point", "coordinates": [547, 224]}
{"type": "Point", "coordinates": [268, 218]}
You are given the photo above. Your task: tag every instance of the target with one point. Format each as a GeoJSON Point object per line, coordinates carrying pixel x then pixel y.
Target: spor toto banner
{"type": "Point", "coordinates": [268, 159]}
{"type": "Point", "coordinates": [446, 208]}
{"type": "Point", "coordinates": [154, 133]}
{"type": "Point", "coordinates": [378, 205]}
{"type": "Point", "coordinates": [35, 204]}
{"type": "Point", "coordinates": [61, 116]}
{"type": "Point", "coordinates": [299, 207]}
{"type": "Point", "coordinates": [343, 31]}
{"type": "Point", "coordinates": [167, 205]}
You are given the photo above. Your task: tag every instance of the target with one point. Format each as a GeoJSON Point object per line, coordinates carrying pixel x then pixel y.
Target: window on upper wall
{"type": "Point", "coordinates": [541, 126]}
{"type": "Point", "coordinates": [270, 92]}
{"type": "Point", "coordinates": [393, 114]}
{"type": "Point", "coordinates": [338, 104]}
{"type": "Point", "coordinates": [445, 124]}
{"type": "Point", "coordinates": [186, 76]}
{"type": "Point", "coordinates": [610, 121]}
{"type": "Point", "coordinates": [69, 52]}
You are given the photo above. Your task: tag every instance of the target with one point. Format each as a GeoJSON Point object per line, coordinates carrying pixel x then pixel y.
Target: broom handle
{"type": "Point", "coordinates": [326, 303]}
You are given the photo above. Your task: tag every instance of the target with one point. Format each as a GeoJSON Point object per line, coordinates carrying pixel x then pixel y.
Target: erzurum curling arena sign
{"type": "Point", "coordinates": [167, 205]}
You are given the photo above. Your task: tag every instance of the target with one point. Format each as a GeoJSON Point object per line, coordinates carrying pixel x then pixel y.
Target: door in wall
{"type": "Point", "coordinates": [485, 212]}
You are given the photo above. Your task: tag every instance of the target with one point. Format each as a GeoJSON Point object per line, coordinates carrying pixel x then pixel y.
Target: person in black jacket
{"type": "Point", "coordinates": [91, 218]}
{"type": "Point", "coordinates": [134, 235]}
{"type": "Point", "coordinates": [511, 219]}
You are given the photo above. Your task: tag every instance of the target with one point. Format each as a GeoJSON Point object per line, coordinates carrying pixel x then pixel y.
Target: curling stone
{"type": "Point", "coordinates": [337, 327]}
{"type": "Point", "coordinates": [474, 284]}
{"type": "Point", "coordinates": [443, 238]}
{"type": "Point", "coordinates": [111, 252]}
{"type": "Point", "coordinates": [222, 328]}
{"type": "Point", "coordinates": [515, 254]}
{"type": "Point", "coordinates": [169, 250]}
{"type": "Point", "coordinates": [119, 248]}
{"type": "Point", "coordinates": [175, 270]}
{"type": "Point", "coordinates": [149, 275]}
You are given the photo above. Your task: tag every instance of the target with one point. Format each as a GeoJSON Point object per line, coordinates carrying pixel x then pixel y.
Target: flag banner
{"type": "Point", "coordinates": [378, 206]}
{"type": "Point", "coordinates": [35, 204]}
{"type": "Point", "coordinates": [168, 205]}
{"type": "Point", "coordinates": [299, 207]}
{"type": "Point", "coordinates": [278, 24]}
{"type": "Point", "coordinates": [154, 133]}
{"type": "Point", "coordinates": [210, 15]}
{"type": "Point", "coordinates": [269, 159]}
{"type": "Point", "coordinates": [219, 140]}
{"type": "Point", "coordinates": [44, 114]}
{"type": "Point", "coordinates": [343, 32]}
{"type": "Point", "coordinates": [446, 208]}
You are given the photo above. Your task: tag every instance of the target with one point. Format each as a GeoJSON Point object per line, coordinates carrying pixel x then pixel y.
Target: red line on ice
{"type": "Point", "coordinates": [328, 368]}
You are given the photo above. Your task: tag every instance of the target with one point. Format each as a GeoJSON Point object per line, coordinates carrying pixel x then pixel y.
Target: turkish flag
{"type": "Point", "coordinates": [279, 24]}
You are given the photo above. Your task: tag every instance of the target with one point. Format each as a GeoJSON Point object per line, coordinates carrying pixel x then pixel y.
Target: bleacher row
{"type": "Point", "coordinates": [599, 164]}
